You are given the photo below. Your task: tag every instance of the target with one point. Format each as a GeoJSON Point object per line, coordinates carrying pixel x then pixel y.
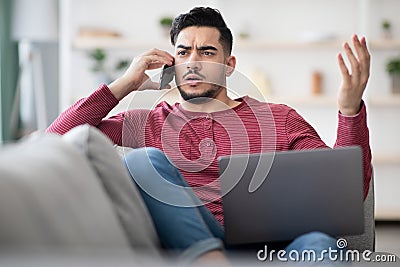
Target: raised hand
{"type": "Point", "coordinates": [353, 83]}
{"type": "Point", "coordinates": [135, 77]}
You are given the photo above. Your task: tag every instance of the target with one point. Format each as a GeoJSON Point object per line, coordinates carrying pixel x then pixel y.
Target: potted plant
{"type": "Point", "coordinates": [122, 64]}
{"type": "Point", "coordinates": [120, 67]}
{"type": "Point", "coordinates": [386, 29]}
{"type": "Point", "coordinates": [166, 24]}
{"type": "Point", "coordinates": [99, 68]}
{"type": "Point", "coordinates": [99, 57]}
{"type": "Point", "coordinates": [393, 68]}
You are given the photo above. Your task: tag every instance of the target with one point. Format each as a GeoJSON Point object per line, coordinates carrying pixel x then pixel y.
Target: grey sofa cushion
{"type": "Point", "coordinates": [51, 198]}
{"type": "Point", "coordinates": [125, 197]}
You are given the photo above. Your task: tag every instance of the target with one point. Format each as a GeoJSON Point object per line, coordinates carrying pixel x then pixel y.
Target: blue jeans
{"type": "Point", "coordinates": [183, 224]}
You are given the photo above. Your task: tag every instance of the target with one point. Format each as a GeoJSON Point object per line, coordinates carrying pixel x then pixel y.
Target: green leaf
{"type": "Point", "coordinates": [393, 66]}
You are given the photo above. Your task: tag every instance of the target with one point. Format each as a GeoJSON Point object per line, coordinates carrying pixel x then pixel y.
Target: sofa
{"type": "Point", "coordinates": [71, 195]}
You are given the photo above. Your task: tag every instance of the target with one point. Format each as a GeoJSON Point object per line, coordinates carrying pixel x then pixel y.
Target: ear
{"type": "Point", "coordinates": [231, 64]}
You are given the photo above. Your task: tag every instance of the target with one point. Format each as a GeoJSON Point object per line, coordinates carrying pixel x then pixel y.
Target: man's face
{"type": "Point", "coordinates": [200, 63]}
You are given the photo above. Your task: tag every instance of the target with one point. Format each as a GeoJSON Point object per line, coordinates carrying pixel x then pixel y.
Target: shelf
{"type": "Point", "coordinates": [118, 43]}
{"type": "Point", "coordinates": [386, 159]}
{"type": "Point", "coordinates": [130, 43]}
{"type": "Point", "coordinates": [322, 100]}
{"type": "Point", "coordinates": [261, 45]}
{"type": "Point", "coordinates": [389, 214]}
{"type": "Point", "coordinates": [385, 44]}
{"type": "Point", "coordinates": [388, 101]}
{"type": "Point", "coordinates": [335, 44]}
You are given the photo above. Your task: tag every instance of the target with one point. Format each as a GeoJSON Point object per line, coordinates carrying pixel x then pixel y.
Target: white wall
{"type": "Point", "coordinates": [50, 62]}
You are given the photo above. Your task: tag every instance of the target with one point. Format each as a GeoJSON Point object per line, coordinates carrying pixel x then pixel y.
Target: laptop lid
{"type": "Point", "coordinates": [291, 193]}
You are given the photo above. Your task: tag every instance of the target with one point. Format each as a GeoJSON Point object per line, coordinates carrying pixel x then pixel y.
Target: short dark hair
{"type": "Point", "coordinates": [203, 16]}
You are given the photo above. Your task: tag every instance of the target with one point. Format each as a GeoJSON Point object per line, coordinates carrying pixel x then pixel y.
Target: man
{"type": "Point", "coordinates": [178, 177]}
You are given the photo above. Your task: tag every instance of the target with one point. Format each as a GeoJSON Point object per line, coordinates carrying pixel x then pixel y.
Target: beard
{"type": "Point", "coordinates": [201, 97]}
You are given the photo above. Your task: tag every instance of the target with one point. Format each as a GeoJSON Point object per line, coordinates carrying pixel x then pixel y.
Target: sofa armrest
{"type": "Point", "coordinates": [366, 241]}
{"type": "Point", "coordinates": [51, 199]}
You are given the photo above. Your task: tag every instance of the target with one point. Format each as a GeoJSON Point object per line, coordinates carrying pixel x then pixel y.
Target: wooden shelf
{"type": "Point", "coordinates": [332, 44]}
{"type": "Point", "coordinates": [118, 43]}
{"type": "Point", "coordinates": [331, 100]}
{"type": "Point", "coordinates": [389, 214]}
{"type": "Point", "coordinates": [322, 100]}
{"type": "Point", "coordinates": [385, 44]}
{"type": "Point", "coordinates": [130, 43]}
{"type": "Point", "coordinates": [265, 45]}
{"type": "Point", "coordinates": [386, 159]}
{"type": "Point", "coordinates": [388, 101]}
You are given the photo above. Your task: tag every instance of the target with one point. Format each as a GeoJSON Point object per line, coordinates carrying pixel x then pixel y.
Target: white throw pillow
{"type": "Point", "coordinates": [128, 203]}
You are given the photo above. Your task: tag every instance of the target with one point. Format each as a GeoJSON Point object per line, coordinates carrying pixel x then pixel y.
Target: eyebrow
{"type": "Point", "coordinates": [201, 48]}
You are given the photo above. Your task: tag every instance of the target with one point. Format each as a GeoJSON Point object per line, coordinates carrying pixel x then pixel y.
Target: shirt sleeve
{"type": "Point", "coordinates": [92, 110]}
{"type": "Point", "coordinates": [351, 131]}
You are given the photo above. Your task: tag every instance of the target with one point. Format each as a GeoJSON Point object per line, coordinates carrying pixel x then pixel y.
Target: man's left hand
{"type": "Point", "coordinates": [353, 84]}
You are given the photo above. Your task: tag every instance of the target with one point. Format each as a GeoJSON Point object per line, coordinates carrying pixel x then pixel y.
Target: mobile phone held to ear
{"type": "Point", "coordinates": [167, 75]}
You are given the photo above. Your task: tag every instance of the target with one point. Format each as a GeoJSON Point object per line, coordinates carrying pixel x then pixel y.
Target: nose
{"type": "Point", "coordinates": [193, 62]}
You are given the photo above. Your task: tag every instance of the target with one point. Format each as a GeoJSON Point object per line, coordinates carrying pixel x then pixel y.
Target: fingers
{"type": "Point", "coordinates": [155, 62]}
{"type": "Point", "coordinates": [363, 56]}
{"type": "Point", "coordinates": [365, 61]}
{"type": "Point", "coordinates": [343, 69]}
{"type": "Point", "coordinates": [360, 65]}
{"type": "Point", "coordinates": [150, 60]}
{"type": "Point", "coordinates": [156, 58]}
{"type": "Point", "coordinates": [365, 48]}
{"type": "Point", "coordinates": [355, 67]}
{"type": "Point", "coordinates": [361, 48]}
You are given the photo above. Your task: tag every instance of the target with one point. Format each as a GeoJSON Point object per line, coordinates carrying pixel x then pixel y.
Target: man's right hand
{"type": "Point", "coordinates": [135, 77]}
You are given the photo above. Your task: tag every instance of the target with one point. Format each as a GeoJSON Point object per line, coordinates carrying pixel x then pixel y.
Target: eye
{"type": "Point", "coordinates": [208, 53]}
{"type": "Point", "coordinates": [182, 53]}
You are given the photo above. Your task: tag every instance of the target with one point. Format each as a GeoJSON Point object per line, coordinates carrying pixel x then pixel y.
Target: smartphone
{"type": "Point", "coordinates": [167, 75]}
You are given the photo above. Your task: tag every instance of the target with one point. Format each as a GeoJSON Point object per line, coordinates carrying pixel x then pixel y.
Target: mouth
{"type": "Point", "coordinates": [193, 79]}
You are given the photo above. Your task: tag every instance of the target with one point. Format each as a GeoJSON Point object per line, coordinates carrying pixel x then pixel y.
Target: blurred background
{"type": "Point", "coordinates": [54, 52]}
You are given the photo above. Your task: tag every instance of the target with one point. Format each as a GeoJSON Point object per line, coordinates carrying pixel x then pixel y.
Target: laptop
{"type": "Point", "coordinates": [278, 196]}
